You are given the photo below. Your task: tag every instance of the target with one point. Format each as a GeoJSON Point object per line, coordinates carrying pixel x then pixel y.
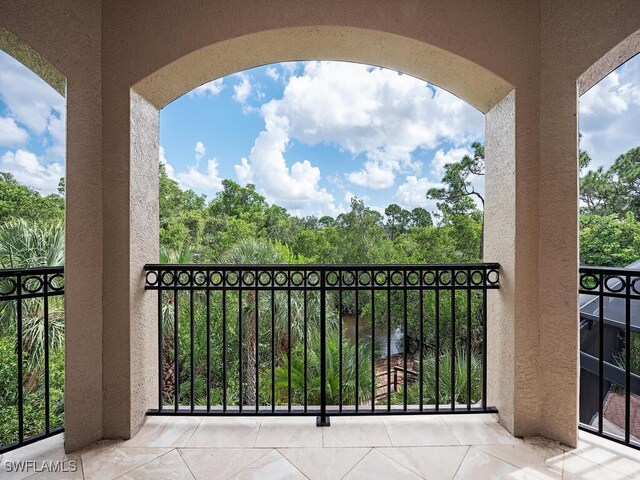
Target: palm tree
{"type": "Point", "coordinates": [28, 245]}
{"type": "Point", "coordinates": [333, 373]}
{"type": "Point", "coordinates": [255, 252]}
{"type": "Point", "coordinates": [429, 379]}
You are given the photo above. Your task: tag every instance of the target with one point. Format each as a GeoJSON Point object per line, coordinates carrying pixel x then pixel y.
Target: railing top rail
{"type": "Point", "coordinates": [315, 266]}
{"type": "Point", "coordinates": [610, 270]}
{"type": "Point", "coordinates": [32, 270]}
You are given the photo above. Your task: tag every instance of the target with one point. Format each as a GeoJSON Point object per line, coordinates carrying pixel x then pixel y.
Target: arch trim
{"type": "Point", "coordinates": [469, 81]}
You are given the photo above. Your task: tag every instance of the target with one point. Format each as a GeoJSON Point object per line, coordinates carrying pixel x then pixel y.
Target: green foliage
{"type": "Point", "coordinates": [18, 201]}
{"type": "Point", "coordinates": [446, 380]}
{"type": "Point", "coordinates": [332, 372]}
{"type": "Point", "coordinates": [615, 191]}
{"type": "Point", "coordinates": [610, 240]}
{"type": "Point", "coordinates": [456, 197]}
{"type": "Point", "coordinates": [25, 244]}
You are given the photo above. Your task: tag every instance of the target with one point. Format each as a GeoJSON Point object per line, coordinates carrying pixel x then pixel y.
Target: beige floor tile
{"type": "Point", "coordinates": [289, 432]}
{"type": "Point", "coordinates": [164, 432]}
{"type": "Point", "coordinates": [168, 467]}
{"type": "Point", "coordinates": [433, 463]}
{"type": "Point", "coordinates": [272, 466]}
{"type": "Point", "coordinates": [415, 431]}
{"type": "Point", "coordinates": [112, 461]}
{"type": "Point", "coordinates": [50, 449]}
{"type": "Point", "coordinates": [324, 463]}
{"type": "Point", "coordinates": [617, 457]}
{"type": "Point", "coordinates": [578, 468]}
{"type": "Point", "coordinates": [225, 432]}
{"type": "Point", "coordinates": [219, 463]}
{"type": "Point", "coordinates": [478, 430]}
{"type": "Point", "coordinates": [541, 459]}
{"type": "Point", "coordinates": [69, 471]}
{"type": "Point", "coordinates": [479, 465]}
{"type": "Point", "coordinates": [356, 432]}
{"type": "Point", "coordinates": [377, 465]}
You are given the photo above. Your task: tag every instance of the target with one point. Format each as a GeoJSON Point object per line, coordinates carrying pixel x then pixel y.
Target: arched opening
{"type": "Point", "coordinates": [32, 243]}
{"type": "Point", "coordinates": [609, 161]}
{"type": "Point", "coordinates": [324, 163]}
{"type": "Point", "coordinates": [474, 84]}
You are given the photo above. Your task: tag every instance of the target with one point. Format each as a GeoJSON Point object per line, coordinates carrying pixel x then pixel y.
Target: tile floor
{"type": "Point", "coordinates": [433, 448]}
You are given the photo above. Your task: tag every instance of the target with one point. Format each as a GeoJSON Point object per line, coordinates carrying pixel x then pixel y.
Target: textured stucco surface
{"type": "Point", "coordinates": [477, 86]}
{"type": "Point", "coordinates": [500, 246]}
{"type": "Point", "coordinates": [574, 36]}
{"type": "Point", "coordinates": [23, 52]}
{"type": "Point", "coordinates": [478, 50]}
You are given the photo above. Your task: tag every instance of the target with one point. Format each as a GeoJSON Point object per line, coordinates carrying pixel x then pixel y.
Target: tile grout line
{"type": "Point", "coordinates": [384, 422]}
{"type": "Point", "coordinates": [266, 452]}
{"type": "Point", "coordinates": [452, 433]}
{"type": "Point", "coordinates": [142, 464]}
{"type": "Point", "coordinates": [291, 463]}
{"type": "Point", "coordinates": [358, 462]}
{"type": "Point", "coordinates": [186, 464]}
{"type": "Point", "coordinates": [462, 461]}
{"type": "Point", "coordinates": [257, 433]}
{"type": "Point", "coordinates": [193, 433]}
{"type": "Point", "coordinates": [403, 466]}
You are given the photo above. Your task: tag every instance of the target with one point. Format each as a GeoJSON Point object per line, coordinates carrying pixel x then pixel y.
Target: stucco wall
{"type": "Point", "coordinates": [575, 35]}
{"type": "Point", "coordinates": [538, 47]}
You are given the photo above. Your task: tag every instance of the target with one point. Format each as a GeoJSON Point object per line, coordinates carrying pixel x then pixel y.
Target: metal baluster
{"type": "Point", "coordinates": [437, 352]}
{"type": "Point", "coordinates": [45, 290]}
{"type": "Point", "coordinates": [191, 346]}
{"type": "Point", "coordinates": [373, 342]}
{"type": "Point", "coordinates": [176, 347]}
{"type": "Point", "coordinates": [453, 341]}
{"type": "Point", "coordinates": [469, 340]}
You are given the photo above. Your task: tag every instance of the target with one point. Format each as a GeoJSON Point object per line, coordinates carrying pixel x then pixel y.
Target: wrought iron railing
{"type": "Point", "coordinates": [321, 339]}
{"type": "Point", "coordinates": [31, 332]}
{"type": "Point", "coordinates": [610, 353]}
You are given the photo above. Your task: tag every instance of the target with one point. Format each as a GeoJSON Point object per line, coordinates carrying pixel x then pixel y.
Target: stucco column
{"type": "Point", "coordinates": [511, 238]}
{"type": "Point", "coordinates": [130, 203]}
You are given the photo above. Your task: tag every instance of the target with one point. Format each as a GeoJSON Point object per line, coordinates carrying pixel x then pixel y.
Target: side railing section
{"type": "Point", "coordinates": [321, 339]}
{"type": "Point", "coordinates": [610, 353]}
{"type": "Point", "coordinates": [31, 355]}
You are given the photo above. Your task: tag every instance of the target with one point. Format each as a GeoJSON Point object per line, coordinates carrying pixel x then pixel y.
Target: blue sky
{"type": "Point", "coordinates": [309, 135]}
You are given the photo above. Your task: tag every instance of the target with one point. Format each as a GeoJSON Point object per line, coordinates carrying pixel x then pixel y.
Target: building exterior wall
{"type": "Point", "coordinates": [538, 48]}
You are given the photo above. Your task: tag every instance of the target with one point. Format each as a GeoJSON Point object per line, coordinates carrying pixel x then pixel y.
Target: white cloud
{"type": "Point", "coordinates": [374, 175]}
{"type": "Point", "coordinates": [244, 174]}
{"type": "Point", "coordinates": [610, 114]}
{"type": "Point", "coordinates": [348, 196]}
{"type": "Point", "coordinates": [442, 158]}
{"type": "Point", "coordinates": [242, 90]}
{"type": "Point", "coordinates": [29, 99]}
{"type": "Point", "coordinates": [167, 166]}
{"type": "Point", "coordinates": [11, 133]}
{"type": "Point", "coordinates": [296, 187]}
{"type": "Point", "coordinates": [212, 88]}
{"type": "Point", "coordinates": [207, 182]}
{"type": "Point", "coordinates": [412, 193]}
{"type": "Point", "coordinates": [29, 170]}
{"type": "Point", "coordinates": [376, 112]}
{"type": "Point", "coordinates": [200, 150]}
{"type": "Point", "coordinates": [272, 72]}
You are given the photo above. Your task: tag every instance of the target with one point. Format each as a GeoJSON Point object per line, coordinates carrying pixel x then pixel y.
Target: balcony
{"type": "Point", "coordinates": [445, 447]}
{"type": "Point", "coordinates": [523, 64]}
{"type": "Point", "coordinates": [413, 428]}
